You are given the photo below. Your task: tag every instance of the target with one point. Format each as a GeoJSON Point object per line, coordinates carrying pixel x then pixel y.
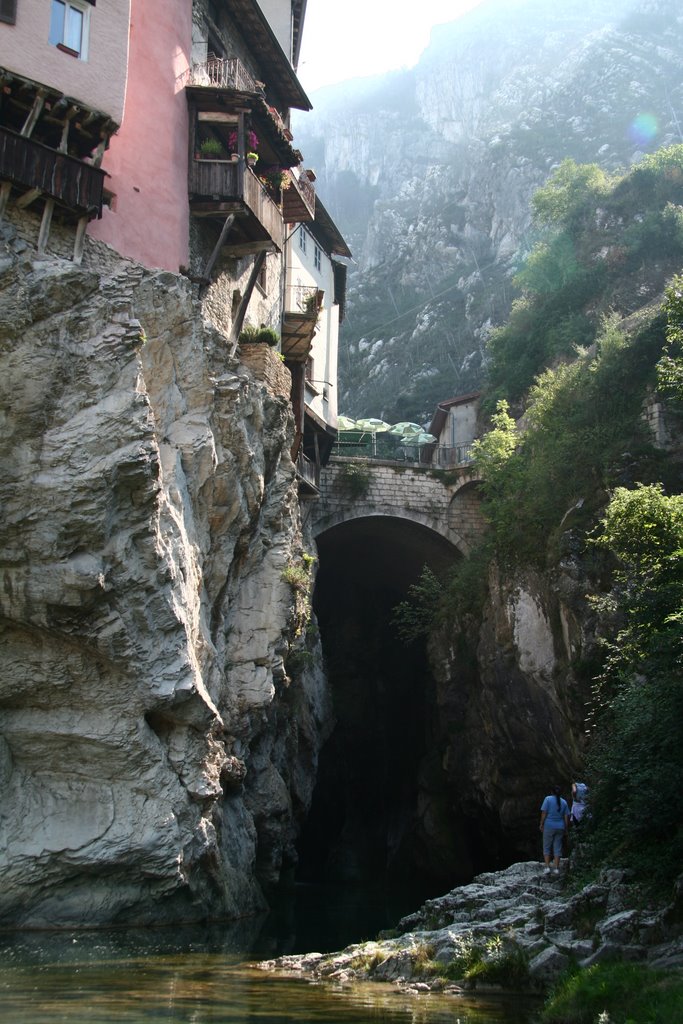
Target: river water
{"type": "Point", "coordinates": [198, 975]}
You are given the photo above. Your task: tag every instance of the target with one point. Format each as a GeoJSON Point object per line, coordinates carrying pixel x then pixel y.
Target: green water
{"type": "Point", "coordinates": [199, 975]}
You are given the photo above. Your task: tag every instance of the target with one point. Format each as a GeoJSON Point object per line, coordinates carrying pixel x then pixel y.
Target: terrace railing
{"type": "Point", "coordinates": [222, 73]}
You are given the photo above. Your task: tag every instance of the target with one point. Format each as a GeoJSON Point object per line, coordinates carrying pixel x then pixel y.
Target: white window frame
{"type": "Point", "coordinates": [317, 257]}
{"type": "Point", "coordinates": [83, 8]}
{"type": "Point", "coordinates": [302, 238]}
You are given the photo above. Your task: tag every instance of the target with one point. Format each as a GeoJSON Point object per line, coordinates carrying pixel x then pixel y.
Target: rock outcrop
{"type": "Point", "coordinates": [517, 925]}
{"type": "Point", "coordinates": [155, 753]}
{"type": "Point", "coordinates": [511, 711]}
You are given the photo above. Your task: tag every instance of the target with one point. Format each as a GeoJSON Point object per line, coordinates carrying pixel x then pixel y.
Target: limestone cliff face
{"type": "Point", "coordinates": [511, 710]}
{"type": "Point", "coordinates": [149, 511]}
{"type": "Point", "coordinates": [430, 172]}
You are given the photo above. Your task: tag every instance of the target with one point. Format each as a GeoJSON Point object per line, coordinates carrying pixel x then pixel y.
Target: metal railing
{"type": "Point", "coordinates": [378, 446]}
{"type": "Point", "coordinates": [446, 456]}
{"type": "Point", "coordinates": [306, 187]}
{"type": "Point", "coordinates": [222, 73]}
{"type": "Point", "coordinates": [302, 298]}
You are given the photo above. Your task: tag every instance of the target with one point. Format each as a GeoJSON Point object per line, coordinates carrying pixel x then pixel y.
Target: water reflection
{"type": "Point", "coordinates": [201, 975]}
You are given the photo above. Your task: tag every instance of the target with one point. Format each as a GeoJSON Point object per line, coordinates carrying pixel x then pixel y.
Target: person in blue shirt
{"type": "Point", "coordinates": [554, 824]}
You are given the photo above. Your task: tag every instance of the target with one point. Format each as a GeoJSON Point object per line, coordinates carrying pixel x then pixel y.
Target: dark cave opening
{"type": "Point", "coordinates": [382, 809]}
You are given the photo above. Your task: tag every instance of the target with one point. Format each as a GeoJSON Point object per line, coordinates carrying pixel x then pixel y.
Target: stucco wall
{"type": "Point", "coordinates": [302, 271]}
{"type": "Point", "coordinates": [148, 158]}
{"type": "Point", "coordinates": [99, 81]}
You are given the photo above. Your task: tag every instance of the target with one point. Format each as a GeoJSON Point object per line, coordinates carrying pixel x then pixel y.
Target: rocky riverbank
{"type": "Point", "coordinates": [517, 929]}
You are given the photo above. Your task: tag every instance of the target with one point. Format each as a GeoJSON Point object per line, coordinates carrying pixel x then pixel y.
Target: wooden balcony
{"type": "Point", "coordinates": [221, 187]}
{"type": "Point", "coordinates": [300, 322]}
{"type": "Point", "coordinates": [35, 168]}
{"type": "Point", "coordinates": [298, 201]}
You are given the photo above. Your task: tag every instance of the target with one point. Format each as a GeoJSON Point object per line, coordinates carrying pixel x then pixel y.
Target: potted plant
{"type": "Point", "coordinates": [276, 178]}
{"type": "Point", "coordinates": [210, 149]}
{"type": "Point", "coordinates": [252, 144]}
{"type": "Point", "coordinates": [252, 158]}
{"type": "Point", "coordinates": [259, 335]}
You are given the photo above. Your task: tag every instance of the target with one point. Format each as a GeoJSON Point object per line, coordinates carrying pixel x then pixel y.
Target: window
{"type": "Point", "coordinates": [69, 27]}
{"type": "Point", "coordinates": [8, 11]}
{"type": "Point", "coordinates": [317, 257]}
{"type": "Point", "coordinates": [262, 279]}
{"type": "Point", "coordinates": [302, 239]}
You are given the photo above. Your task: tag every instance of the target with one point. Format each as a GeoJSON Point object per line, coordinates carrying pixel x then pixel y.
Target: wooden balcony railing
{"type": "Point", "coordinates": [224, 181]}
{"type": "Point", "coordinates": [264, 209]}
{"type": "Point", "coordinates": [307, 472]}
{"type": "Point", "coordinates": [31, 165]}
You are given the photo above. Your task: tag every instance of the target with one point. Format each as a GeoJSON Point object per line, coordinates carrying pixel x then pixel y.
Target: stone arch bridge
{"type": "Point", "coordinates": [447, 502]}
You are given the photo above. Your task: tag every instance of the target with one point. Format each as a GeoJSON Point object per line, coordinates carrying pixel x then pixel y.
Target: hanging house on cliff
{"type": "Point", "coordinates": [315, 295]}
{"type": "Point", "coordinates": [161, 127]}
{"type": "Point", "coordinates": [63, 68]}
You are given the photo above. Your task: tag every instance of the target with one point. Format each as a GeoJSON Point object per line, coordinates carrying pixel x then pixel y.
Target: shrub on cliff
{"type": "Point", "coordinates": [583, 434]}
{"type": "Point", "coordinates": [636, 759]}
{"type": "Point", "coordinates": [601, 242]}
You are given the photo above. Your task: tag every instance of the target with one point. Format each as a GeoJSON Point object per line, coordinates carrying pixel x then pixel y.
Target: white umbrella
{"type": "Point", "coordinates": [374, 425]}
{"type": "Point", "coordinates": [346, 423]}
{"type": "Point", "coordinates": [416, 439]}
{"type": "Point", "coordinates": [405, 428]}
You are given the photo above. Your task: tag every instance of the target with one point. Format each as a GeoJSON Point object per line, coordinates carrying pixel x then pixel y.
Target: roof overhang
{"type": "Point", "coordinates": [327, 233]}
{"type": "Point", "coordinates": [273, 60]}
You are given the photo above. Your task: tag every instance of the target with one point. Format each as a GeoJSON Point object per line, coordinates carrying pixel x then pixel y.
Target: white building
{"type": "Point", "coordinates": [315, 292]}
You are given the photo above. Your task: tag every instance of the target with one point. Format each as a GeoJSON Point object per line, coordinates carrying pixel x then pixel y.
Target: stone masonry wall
{"type": "Point", "coordinates": [446, 505]}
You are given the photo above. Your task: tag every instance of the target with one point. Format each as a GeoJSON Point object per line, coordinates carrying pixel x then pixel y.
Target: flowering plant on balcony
{"type": "Point", "coordinates": [252, 141]}
{"type": "Point", "coordinates": [276, 178]}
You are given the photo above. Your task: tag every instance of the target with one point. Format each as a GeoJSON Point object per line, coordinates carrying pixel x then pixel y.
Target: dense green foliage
{"type": "Point", "coordinates": [584, 434]}
{"type": "Point", "coordinates": [636, 757]}
{"type": "Point", "coordinates": [602, 243]}
{"type": "Point", "coordinates": [616, 994]}
{"type": "Point", "coordinates": [436, 601]}
{"type": "Point", "coordinates": [670, 366]}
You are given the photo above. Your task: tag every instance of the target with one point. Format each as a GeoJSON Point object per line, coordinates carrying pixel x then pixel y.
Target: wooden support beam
{"type": "Point", "coordinates": [28, 198]}
{"type": "Point", "coordinates": [248, 248]}
{"type": "Point", "coordinates": [5, 191]}
{"type": "Point", "coordinates": [79, 243]}
{"type": "Point", "coordinates": [64, 141]}
{"type": "Point", "coordinates": [99, 153]}
{"type": "Point", "coordinates": [229, 220]}
{"type": "Point", "coordinates": [244, 302]}
{"type": "Point", "coordinates": [34, 113]}
{"type": "Point", "coordinates": [44, 233]}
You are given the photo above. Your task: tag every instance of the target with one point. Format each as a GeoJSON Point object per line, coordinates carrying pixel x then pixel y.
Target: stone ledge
{"type": "Point", "coordinates": [267, 367]}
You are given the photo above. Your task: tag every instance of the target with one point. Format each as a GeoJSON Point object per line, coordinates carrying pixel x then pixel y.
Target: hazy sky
{"type": "Point", "coordinates": [355, 38]}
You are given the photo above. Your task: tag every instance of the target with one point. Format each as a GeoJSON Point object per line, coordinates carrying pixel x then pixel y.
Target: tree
{"type": "Point", "coordinates": [636, 763]}
{"type": "Point", "coordinates": [571, 191]}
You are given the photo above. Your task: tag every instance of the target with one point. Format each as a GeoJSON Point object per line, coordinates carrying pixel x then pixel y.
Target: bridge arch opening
{"type": "Point", "coordinates": [381, 811]}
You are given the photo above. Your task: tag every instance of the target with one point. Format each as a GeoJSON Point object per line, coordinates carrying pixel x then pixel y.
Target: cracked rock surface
{"type": "Point", "coordinates": [148, 510]}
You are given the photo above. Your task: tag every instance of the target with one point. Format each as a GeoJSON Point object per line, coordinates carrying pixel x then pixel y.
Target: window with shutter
{"type": "Point", "coordinates": [8, 11]}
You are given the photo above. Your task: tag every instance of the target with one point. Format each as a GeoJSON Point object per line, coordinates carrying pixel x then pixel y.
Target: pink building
{"type": "Point", "coordinates": [147, 213]}
{"type": "Point", "coordinates": [63, 69]}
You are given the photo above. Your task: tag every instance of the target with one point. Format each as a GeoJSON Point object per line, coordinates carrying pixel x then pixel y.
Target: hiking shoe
{"type": "Point", "coordinates": [546, 871]}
